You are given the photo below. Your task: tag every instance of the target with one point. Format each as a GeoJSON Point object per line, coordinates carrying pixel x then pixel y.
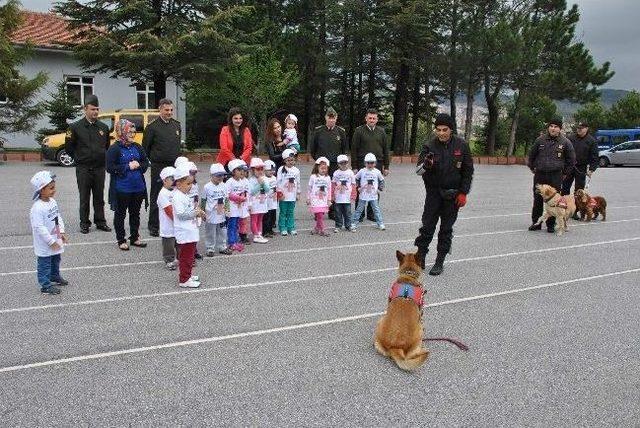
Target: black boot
{"type": "Point", "coordinates": [438, 266]}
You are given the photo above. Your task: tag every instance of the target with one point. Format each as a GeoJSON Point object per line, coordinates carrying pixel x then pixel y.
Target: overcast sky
{"type": "Point", "coordinates": [610, 29]}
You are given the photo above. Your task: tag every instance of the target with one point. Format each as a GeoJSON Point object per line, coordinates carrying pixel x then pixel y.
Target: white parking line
{"type": "Point", "coordinates": [292, 327]}
{"type": "Point", "coordinates": [111, 242]}
{"type": "Point", "coordinates": [297, 280]}
{"type": "Point", "coordinates": [304, 250]}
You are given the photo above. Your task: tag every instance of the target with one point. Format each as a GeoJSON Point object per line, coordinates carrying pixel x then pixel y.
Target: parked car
{"type": "Point", "coordinates": [53, 145]}
{"type": "Point", "coordinates": [623, 154]}
{"type": "Point", "coordinates": [608, 138]}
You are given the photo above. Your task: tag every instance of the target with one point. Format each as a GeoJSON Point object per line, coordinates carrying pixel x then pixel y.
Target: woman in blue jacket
{"type": "Point", "coordinates": [127, 163]}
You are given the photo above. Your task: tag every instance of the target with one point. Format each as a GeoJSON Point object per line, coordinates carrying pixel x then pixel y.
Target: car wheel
{"type": "Point", "coordinates": [64, 158]}
{"type": "Point", "coordinates": [604, 162]}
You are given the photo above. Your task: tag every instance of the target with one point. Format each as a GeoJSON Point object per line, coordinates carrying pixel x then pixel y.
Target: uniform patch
{"type": "Point", "coordinates": [69, 133]}
{"type": "Point", "coordinates": [458, 165]}
{"type": "Point", "coordinates": [101, 132]}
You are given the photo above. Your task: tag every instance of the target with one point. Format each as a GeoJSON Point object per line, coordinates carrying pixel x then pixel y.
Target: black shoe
{"type": "Point", "coordinates": [438, 266]}
{"type": "Point", "coordinates": [551, 229]}
{"type": "Point", "coordinates": [50, 290]}
{"type": "Point", "coordinates": [535, 227]}
{"type": "Point", "coordinates": [84, 229]}
{"type": "Point", "coordinates": [60, 282]}
{"type": "Point", "coordinates": [154, 233]}
{"type": "Point", "coordinates": [104, 228]}
{"type": "Point", "coordinates": [198, 256]}
{"type": "Point", "coordinates": [245, 239]}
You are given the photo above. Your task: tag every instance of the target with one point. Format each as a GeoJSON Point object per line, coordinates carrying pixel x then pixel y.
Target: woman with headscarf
{"type": "Point", "coordinates": [235, 139]}
{"type": "Point", "coordinates": [127, 163]}
{"type": "Point", "coordinates": [274, 143]}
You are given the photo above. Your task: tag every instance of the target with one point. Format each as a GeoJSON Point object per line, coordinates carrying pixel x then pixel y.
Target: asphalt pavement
{"type": "Point", "coordinates": [281, 335]}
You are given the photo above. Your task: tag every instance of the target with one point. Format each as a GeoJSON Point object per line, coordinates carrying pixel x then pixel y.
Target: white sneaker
{"type": "Point", "coordinates": [194, 278]}
{"type": "Point", "coordinates": [294, 232]}
{"type": "Point", "coordinates": [189, 284]}
{"type": "Point", "coordinates": [259, 239]}
{"type": "Point", "coordinates": [171, 265]}
{"type": "Point", "coordinates": [336, 230]}
{"type": "Point", "coordinates": [284, 233]}
{"type": "Point", "coordinates": [381, 227]}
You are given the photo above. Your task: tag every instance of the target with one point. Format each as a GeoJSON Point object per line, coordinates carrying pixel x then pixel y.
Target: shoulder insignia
{"type": "Point", "coordinates": [69, 132]}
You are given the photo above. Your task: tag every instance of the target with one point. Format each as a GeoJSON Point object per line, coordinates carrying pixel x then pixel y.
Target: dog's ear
{"type": "Point", "coordinates": [399, 256]}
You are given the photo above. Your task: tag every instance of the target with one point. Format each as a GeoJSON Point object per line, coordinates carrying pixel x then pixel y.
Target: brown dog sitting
{"type": "Point", "coordinates": [590, 206]}
{"type": "Point", "coordinates": [399, 332]}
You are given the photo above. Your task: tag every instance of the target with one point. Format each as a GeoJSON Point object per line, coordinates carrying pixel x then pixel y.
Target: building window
{"type": "Point", "coordinates": [78, 88]}
{"type": "Point", "coordinates": [146, 95]}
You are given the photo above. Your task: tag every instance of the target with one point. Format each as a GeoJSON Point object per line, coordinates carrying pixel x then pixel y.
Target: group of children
{"type": "Point", "coordinates": [247, 201]}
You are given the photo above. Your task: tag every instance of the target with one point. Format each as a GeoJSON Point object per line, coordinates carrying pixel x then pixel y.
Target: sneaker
{"type": "Point", "coordinates": [189, 284]}
{"type": "Point", "coordinates": [294, 232]}
{"type": "Point", "coordinates": [211, 253]}
{"type": "Point", "coordinates": [382, 227]}
{"type": "Point", "coordinates": [194, 278]}
{"type": "Point", "coordinates": [198, 256]}
{"type": "Point", "coordinates": [226, 251]}
{"type": "Point", "coordinates": [259, 239]}
{"type": "Point", "coordinates": [336, 230]}
{"type": "Point", "coordinates": [171, 265]}
{"type": "Point", "coordinates": [60, 282]}
{"type": "Point", "coordinates": [50, 290]}
{"type": "Point", "coordinates": [352, 229]}
{"type": "Point", "coordinates": [284, 233]}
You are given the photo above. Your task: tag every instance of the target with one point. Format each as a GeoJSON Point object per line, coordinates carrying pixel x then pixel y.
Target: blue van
{"type": "Point", "coordinates": [608, 138]}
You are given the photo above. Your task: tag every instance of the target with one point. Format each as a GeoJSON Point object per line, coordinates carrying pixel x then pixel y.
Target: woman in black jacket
{"type": "Point", "coordinates": [273, 142]}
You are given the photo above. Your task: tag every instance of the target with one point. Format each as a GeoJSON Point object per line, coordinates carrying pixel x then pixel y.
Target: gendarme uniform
{"type": "Point", "coordinates": [586, 149]}
{"type": "Point", "coordinates": [549, 159]}
{"type": "Point", "coordinates": [87, 143]}
{"type": "Point", "coordinates": [447, 172]}
{"type": "Point", "coordinates": [329, 143]}
{"type": "Point", "coordinates": [162, 142]}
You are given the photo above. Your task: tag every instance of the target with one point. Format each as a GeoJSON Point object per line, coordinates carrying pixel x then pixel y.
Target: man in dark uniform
{"type": "Point", "coordinates": [586, 148]}
{"type": "Point", "coordinates": [162, 142]}
{"type": "Point", "coordinates": [550, 159]}
{"type": "Point", "coordinates": [370, 138]}
{"type": "Point", "coordinates": [329, 140]}
{"type": "Point", "coordinates": [446, 166]}
{"type": "Point", "coordinates": [87, 142]}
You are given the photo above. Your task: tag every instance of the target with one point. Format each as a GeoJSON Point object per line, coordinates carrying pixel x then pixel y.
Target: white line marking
{"type": "Point", "coordinates": [296, 280]}
{"type": "Point", "coordinates": [292, 327]}
{"type": "Point", "coordinates": [112, 242]}
{"type": "Point", "coordinates": [304, 250]}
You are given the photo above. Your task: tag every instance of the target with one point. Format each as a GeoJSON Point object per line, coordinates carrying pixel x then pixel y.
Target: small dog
{"type": "Point", "coordinates": [399, 332]}
{"type": "Point", "coordinates": [560, 207]}
{"type": "Point", "coordinates": [590, 206]}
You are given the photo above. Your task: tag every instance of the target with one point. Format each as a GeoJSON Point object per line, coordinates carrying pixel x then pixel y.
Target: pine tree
{"type": "Point", "coordinates": [18, 113]}
{"type": "Point", "coordinates": [60, 111]}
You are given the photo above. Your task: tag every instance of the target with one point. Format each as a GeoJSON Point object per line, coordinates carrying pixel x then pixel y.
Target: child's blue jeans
{"type": "Point", "coordinates": [232, 230]}
{"type": "Point", "coordinates": [48, 270]}
{"type": "Point", "coordinates": [375, 206]}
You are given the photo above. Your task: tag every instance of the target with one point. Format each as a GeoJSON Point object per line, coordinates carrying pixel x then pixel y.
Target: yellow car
{"type": "Point", "coordinates": [53, 145]}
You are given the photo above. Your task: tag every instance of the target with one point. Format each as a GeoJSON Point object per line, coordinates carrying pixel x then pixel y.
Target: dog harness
{"type": "Point", "coordinates": [407, 291]}
{"type": "Point", "coordinates": [562, 202]}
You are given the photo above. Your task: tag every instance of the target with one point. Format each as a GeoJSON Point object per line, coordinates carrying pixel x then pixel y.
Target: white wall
{"type": "Point", "coordinates": [112, 93]}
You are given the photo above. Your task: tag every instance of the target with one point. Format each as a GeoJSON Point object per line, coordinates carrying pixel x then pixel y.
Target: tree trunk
{"type": "Point", "coordinates": [415, 113]}
{"type": "Point", "coordinates": [322, 42]}
{"type": "Point", "coordinates": [514, 125]}
{"type": "Point", "coordinates": [492, 123]}
{"type": "Point", "coordinates": [360, 82]}
{"type": "Point", "coordinates": [468, 124]}
{"type": "Point", "coordinates": [453, 75]}
{"type": "Point", "coordinates": [160, 87]}
{"type": "Point", "coordinates": [400, 109]}
{"type": "Point", "coordinates": [371, 81]}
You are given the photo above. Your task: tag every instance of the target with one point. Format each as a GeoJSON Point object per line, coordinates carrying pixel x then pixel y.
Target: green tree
{"type": "Point", "coordinates": [594, 114]}
{"type": "Point", "coordinates": [59, 110]}
{"type": "Point", "coordinates": [626, 112]}
{"type": "Point", "coordinates": [154, 40]}
{"type": "Point", "coordinates": [257, 83]}
{"type": "Point", "coordinates": [19, 113]}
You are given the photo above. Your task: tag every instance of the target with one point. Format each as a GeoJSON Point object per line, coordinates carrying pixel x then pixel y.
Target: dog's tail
{"type": "Point", "coordinates": [403, 362]}
{"type": "Point", "coordinates": [456, 342]}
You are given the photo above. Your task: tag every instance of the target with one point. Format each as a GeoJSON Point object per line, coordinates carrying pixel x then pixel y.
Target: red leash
{"type": "Point", "coordinates": [456, 342]}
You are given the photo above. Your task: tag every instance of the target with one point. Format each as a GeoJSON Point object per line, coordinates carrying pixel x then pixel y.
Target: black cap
{"type": "Point", "coordinates": [331, 112]}
{"type": "Point", "coordinates": [444, 119]}
{"type": "Point", "coordinates": [556, 120]}
{"type": "Point", "coordinates": [91, 100]}
{"type": "Point", "coordinates": [583, 124]}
